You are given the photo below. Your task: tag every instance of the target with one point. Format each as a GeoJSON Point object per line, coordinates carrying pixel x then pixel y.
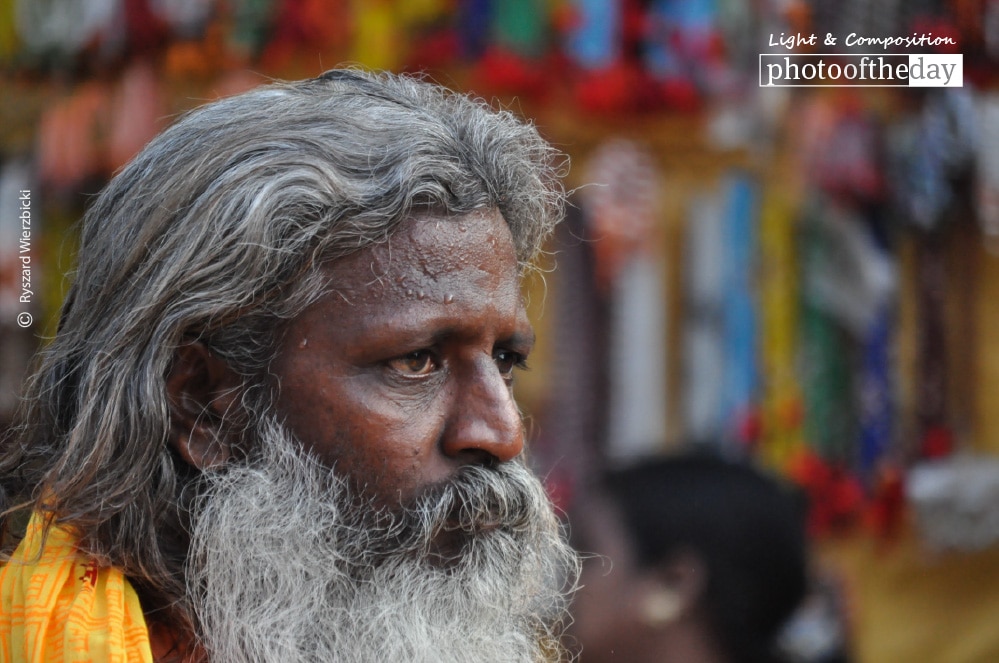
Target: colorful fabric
{"type": "Point", "coordinates": [60, 607]}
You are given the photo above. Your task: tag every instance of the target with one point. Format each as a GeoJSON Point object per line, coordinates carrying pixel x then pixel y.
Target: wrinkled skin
{"type": "Point", "coordinates": [403, 372]}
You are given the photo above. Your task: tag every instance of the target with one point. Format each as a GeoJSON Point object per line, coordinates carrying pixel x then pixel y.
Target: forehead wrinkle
{"type": "Point", "coordinates": [441, 276]}
{"type": "Point", "coordinates": [430, 261]}
{"type": "Point", "coordinates": [413, 316]}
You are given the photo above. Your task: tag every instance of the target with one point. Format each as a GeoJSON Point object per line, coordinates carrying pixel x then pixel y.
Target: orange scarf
{"type": "Point", "coordinates": [58, 606]}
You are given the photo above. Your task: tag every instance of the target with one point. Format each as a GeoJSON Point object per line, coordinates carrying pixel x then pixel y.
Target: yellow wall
{"type": "Point", "coordinates": [908, 604]}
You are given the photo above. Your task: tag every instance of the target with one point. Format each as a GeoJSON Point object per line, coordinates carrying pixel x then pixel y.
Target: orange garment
{"type": "Point", "coordinates": [60, 607]}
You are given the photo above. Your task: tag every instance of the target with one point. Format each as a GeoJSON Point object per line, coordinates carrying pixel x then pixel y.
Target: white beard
{"type": "Point", "coordinates": [286, 567]}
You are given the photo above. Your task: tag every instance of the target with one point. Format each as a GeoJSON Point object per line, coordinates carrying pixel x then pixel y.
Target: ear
{"type": "Point", "coordinates": [673, 588]}
{"type": "Point", "coordinates": [203, 394]}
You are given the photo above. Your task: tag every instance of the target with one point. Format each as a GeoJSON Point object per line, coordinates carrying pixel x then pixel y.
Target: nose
{"type": "Point", "coordinates": [485, 426]}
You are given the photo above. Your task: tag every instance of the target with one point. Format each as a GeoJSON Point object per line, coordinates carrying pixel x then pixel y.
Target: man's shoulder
{"type": "Point", "coordinates": [57, 600]}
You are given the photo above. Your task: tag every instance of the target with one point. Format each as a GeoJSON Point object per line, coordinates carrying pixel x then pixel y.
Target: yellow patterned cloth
{"type": "Point", "coordinates": [60, 607]}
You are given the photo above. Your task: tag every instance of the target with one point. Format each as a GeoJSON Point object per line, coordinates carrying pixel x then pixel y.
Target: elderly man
{"type": "Point", "coordinates": [276, 422]}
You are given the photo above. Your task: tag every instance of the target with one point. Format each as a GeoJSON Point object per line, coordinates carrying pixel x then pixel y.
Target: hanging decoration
{"type": "Point", "coordinates": [937, 437]}
{"type": "Point", "coordinates": [739, 406]}
{"type": "Point", "coordinates": [956, 501]}
{"type": "Point", "coordinates": [250, 22]}
{"type": "Point", "coordinates": [782, 411]}
{"type": "Point", "coordinates": [569, 450]}
{"type": "Point", "coordinates": [137, 111]}
{"type": "Point", "coordinates": [518, 41]}
{"type": "Point", "coordinates": [880, 466]}
{"type": "Point", "coordinates": [594, 43]}
{"type": "Point", "coordinates": [186, 19]}
{"type": "Point", "coordinates": [474, 18]}
{"type": "Point", "coordinates": [684, 53]}
{"type": "Point", "coordinates": [606, 56]}
{"type": "Point", "coordinates": [378, 34]}
{"type": "Point", "coordinates": [987, 166]}
{"type": "Point", "coordinates": [622, 210]}
{"type": "Point", "coordinates": [59, 30]}
{"type": "Point", "coordinates": [70, 146]}
{"type": "Point", "coordinates": [703, 349]}
{"type": "Point", "coordinates": [9, 43]}
{"type": "Point", "coordinates": [316, 27]}
{"type": "Point", "coordinates": [720, 371]}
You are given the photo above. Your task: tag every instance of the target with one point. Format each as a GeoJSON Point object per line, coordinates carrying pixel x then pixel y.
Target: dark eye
{"type": "Point", "coordinates": [420, 362]}
{"type": "Point", "coordinates": [507, 360]}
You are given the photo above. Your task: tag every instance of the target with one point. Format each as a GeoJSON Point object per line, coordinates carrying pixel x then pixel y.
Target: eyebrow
{"type": "Point", "coordinates": [522, 338]}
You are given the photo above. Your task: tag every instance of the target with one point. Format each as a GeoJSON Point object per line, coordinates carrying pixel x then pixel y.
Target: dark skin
{"type": "Point", "coordinates": [403, 374]}
{"type": "Point", "coordinates": [400, 375]}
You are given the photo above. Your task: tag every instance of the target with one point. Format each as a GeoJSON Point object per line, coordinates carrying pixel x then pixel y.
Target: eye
{"type": "Point", "coordinates": [415, 364]}
{"type": "Point", "coordinates": [507, 360]}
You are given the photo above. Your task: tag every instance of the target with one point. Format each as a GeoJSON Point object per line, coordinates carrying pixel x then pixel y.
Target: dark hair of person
{"type": "Point", "coordinates": [748, 528]}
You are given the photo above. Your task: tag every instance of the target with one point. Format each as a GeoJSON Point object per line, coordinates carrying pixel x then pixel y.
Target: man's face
{"type": "Point", "coordinates": [403, 373]}
{"type": "Point", "coordinates": [399, 380]}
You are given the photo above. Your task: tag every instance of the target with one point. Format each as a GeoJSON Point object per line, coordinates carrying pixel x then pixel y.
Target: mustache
{"type": "Point", "coordinates": [478, 500]}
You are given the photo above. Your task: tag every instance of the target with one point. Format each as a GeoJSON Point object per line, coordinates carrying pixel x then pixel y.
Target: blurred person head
{"type": "Point", "coordinates": [698, 559]}
{"type": "Point", "coordinates": [279, 398]}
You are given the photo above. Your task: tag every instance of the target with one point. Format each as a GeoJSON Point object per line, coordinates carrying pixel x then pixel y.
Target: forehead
{"type": "Point", "coordinates": [434, 270]}
{"type": "Point", "coordinates": [432, 251]}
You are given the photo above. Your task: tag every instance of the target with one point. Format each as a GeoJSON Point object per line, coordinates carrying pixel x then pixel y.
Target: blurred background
{"type": "Point", "coordinates": [799, 278]}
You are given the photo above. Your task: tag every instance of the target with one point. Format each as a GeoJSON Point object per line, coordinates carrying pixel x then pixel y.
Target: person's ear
{"type": "Point", "coordinates": [203, 394]}
{"type": "Point", "coordinates": [673, 588]}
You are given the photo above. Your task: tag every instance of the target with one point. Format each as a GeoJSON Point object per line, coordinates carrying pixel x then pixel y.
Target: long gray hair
{"type": "Point", "coordinates": [216, 232]}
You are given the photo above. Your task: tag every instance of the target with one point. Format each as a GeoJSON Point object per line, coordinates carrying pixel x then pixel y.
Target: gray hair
{"type": "Point", "coordinates": [216, 231]}
{"type": "Point", "coordinates": [284, 566]}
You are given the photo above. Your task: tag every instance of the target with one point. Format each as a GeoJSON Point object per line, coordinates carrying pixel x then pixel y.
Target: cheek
{"type": "Point", "coordinates": [388, 449]}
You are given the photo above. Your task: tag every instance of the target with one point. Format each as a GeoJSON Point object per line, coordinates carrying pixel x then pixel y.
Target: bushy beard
{"type": "Point", "coordinates": [287, 565]}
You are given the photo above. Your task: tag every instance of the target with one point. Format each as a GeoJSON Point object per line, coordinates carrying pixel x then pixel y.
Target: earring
{"type": "Point", "coordinates": [660, 607]}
